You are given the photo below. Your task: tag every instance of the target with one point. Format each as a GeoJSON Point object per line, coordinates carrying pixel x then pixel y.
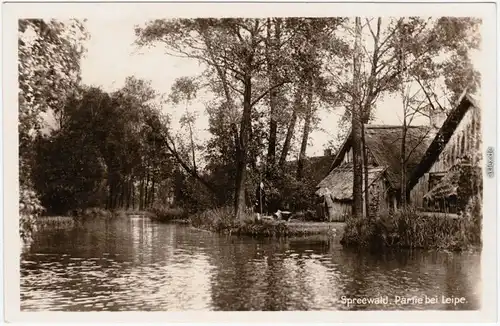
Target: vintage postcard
{"type": "Point", "coordinates": [209, 162]}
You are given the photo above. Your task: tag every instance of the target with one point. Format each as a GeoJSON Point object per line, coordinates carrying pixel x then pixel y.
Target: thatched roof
{"type": "Point", "coordinates": [338, 183]}
{"type": "Point", "coordinates": [384, 144]}
{"type": "Point", "coordinates": [442, 138]}
{"type": "Point", "coordinates": [447, 187]}
{"type": "Point", "coordinates": [315, 167]}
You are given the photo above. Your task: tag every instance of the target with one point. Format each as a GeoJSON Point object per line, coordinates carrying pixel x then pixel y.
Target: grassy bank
{"type": "Point", "coordinates": [78, 217]}
{"type": "Point", "coordinates": [168, 214]}
{"type": "Point", "coordinates": [221, 220]}
{"type": "Point", "coordinates": [55, 222]}
{"type": "Point", "coordinates": [409, 229]}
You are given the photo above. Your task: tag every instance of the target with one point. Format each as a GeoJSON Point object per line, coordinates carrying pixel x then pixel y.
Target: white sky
{"type": "Point", "coordinates": [112, 56]}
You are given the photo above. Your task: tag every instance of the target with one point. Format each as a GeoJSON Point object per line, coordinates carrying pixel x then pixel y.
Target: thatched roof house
{"type": "Point", "coordinates": [383, 144]}
{"type": "Point", "coordinates": [338, 183]}
{"type": "Point", "coordinates": [446, 187]}
{"type": "Point", "coordinates": [315, 167]}
{"type": "Point", "coordinates": [455, 150]}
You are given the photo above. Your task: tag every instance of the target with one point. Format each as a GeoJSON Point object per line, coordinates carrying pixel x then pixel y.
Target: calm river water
{"type": "Point", "coordinates": [136, 264]}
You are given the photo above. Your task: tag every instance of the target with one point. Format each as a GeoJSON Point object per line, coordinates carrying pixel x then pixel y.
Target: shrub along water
{"type": "Point", "coordinates": [409, 229]}
{"type": "Point", "coordinates": [164, 213]}
{"type": "Point", "coordinates": [30, 209]}
{"type": "Point", "coordinates": [35, 221]}
{"type": "Point", "coordinates": [55, 222]}
{"type": "Point", "coordinates": [222, 220]}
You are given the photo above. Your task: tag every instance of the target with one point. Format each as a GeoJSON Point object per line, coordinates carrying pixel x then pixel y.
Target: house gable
{"type": "Point", "coordinates": [441, 139]}
{"type": "Point", "coordinates": [383, 144]}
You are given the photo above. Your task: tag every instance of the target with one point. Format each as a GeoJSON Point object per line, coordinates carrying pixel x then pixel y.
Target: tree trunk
{"type": "Point", "coordinates": [192, 139]}
{"type": "Point", "coordinates": [403, 164]}
{"type": "Point", "coordinates": [271, 52]}
{"type": "Point", "coordinates": [110, 190]}
{"type": "Point", "coordinates": [365, 172]}
{"type": "Point", "coordinates": [126, 191]}
{"type": "Point", "coordinates": [129, 192]}
{"type": "Point", "coordinates": [291, 128]}
{"type": "Point", "coordinates": [307, 129]}
{"type": "Point", "coordinates": [141, 195]}
{"type": "Point", "coordinates": [146, 191]}
{"type": "Point", "coordinates": [115, 196]}
{"type": "Point", "coordinates": [402, 81]}
{"type": "Point", "coordinates": [357, 206]}
{"type": "Point", "coordinates": [123, 193]}
{"type": "Point", "coordinates": [152, 190]}
{"type": "Point", "coordinates": [241, 157]}
{"type": "Point", "coordinates": [185, 166]}
{"type": "Point", "coordinates": [133, 194]}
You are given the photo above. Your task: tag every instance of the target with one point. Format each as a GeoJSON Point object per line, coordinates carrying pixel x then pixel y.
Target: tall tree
{"type": "Point", "coordinates": [234, 50]}
{"type": "Point", "coordinates": [357, 208]}
{"type": "Point", "coordinates": [273, 47]}
{"type": "Point", "coordinates": [427, 41]}
{"type": "Point", "coordinates": [49, 70]}
{"type": "Point", "coordinates": [184, 90]}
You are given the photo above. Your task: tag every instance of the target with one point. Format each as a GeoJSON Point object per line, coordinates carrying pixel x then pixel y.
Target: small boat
{"type": "Point", "coordinates": [282, 215]}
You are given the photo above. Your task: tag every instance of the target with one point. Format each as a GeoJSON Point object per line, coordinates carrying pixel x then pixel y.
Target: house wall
{"type": "Point", "coordinates": [465, 142]}
{"type": "Point", "coordinates": [337, 211]}
{"type": "Point", "coordinates": [348, 156]}
{"type": "Point", "coordinates": [376, 199]}
{"type": "Point", "coordinates": [381, 199]}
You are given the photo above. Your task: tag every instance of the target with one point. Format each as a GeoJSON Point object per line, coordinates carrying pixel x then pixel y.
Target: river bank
{"type": "Point", "coordinates": [79, 216]}
{"type": "Point", "coordinates": [221, 220]}
{"type": "Point", "coordinates": [411, 229]}
{"type": "Point", "coordinates": [135, 264]}
{"type": "Point", "coordinates": [403, 230]}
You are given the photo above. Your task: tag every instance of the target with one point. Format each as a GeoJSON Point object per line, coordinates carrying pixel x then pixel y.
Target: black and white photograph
{"type": "Point", "coordinates": [229, 162]}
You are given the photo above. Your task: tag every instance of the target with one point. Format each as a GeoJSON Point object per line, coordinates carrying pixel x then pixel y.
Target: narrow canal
{"type": "Point", "coordinates": [136, 264]}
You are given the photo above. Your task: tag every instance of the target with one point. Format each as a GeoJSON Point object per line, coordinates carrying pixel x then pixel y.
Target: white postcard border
{"type": "Point", "coordinates": [13, 11]}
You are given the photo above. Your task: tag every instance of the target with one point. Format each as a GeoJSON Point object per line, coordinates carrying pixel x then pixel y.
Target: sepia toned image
{"type": "Point", "coordinates": [267, 163]}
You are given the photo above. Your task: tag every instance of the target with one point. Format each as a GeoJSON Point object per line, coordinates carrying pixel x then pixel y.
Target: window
{"type": "Point", "coordinates": [462, 143]}
{"type": "Point", "coordinates": [371, 159]}
{"type": "Point", "coordinates": [434, 179]}
{"type": "Point", "coordinates": [469, 138]}
{"type": "Point", "coordinates": [451, 205]}
{"type": "Point", "coordinates": [473, 132]}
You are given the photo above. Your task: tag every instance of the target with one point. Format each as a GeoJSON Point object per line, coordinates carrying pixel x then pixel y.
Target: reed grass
{"type": "Point", "coordinates": [163, 213]}
{"type": "Point", "coordinates": [55, 222]}
{"type": "Point", "coordinates": [78, 217]}
{"type": "Point", "coordinates": [409, 229]}
{"type": "Point", "coordinates": [222, 220]}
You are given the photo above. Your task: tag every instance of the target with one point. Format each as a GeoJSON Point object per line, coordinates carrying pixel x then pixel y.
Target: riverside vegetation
{"type": "Point", "coordinates": [222, 220]}
{"type": "Point", "coordinates": [120, 151]}
{"type": "Point", "coordinates": [410, 229]}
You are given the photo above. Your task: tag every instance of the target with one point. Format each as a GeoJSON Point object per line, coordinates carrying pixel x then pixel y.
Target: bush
{"type": "Point", "coordinates": [287, 192]}
{"type": "Point", "coordinates": [222, 220]}
{"type": "Point", "coordinates": [217, 219]}
{"type": "Point", "coordinates": [163, 213]}
{"type": "Point", "coordinates": [55, 222]}
{"type": "Point", "coordinates": [93, 213]}
{"type": "Point", "coordinates": [307, 216]}
{"type": "Point", "coordinates": [30, 209]}
{"type": "Point", "coordinates": [409, 229]}
{"type": "Point", "coordinates": [191, 194]}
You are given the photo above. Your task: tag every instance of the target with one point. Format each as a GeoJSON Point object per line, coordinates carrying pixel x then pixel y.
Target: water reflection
{"type": "Point", "coordinates": [135, 264]}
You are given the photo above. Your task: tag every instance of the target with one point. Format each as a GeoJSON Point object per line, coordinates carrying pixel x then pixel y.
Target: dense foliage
{"type": "Point", "coordinates": [410, 229]}
{"type": "Point", "coordinates": [120, 150]}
